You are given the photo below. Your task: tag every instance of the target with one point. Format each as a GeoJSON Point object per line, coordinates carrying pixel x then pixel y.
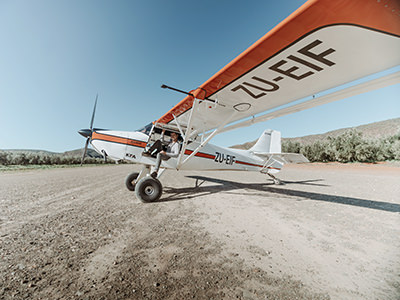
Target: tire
{"type": "Point", "coordinates": [130, 181]}
{"type": "Point", "coordinates": [148, 189]}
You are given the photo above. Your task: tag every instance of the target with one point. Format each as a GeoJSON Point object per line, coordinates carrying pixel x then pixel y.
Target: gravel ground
{"type": "Point", "coordinates": [330, 231]}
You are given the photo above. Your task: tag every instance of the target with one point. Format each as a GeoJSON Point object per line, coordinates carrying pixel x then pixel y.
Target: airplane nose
{"type": "Point", "coordinates": [85, 132]}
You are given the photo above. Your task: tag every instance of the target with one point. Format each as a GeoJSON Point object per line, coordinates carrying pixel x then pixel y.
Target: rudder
{"type": "Point", "coordinates": [268, 142]}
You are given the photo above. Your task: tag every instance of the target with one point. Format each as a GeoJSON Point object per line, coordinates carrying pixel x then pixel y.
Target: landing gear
{"type": "Point", "coordinates": [148, 189]}
{"type": "Point", "coordinates": [133, 178]}
{"type": "Point", "coordinates": [276, 181]}
{"type": "Point", "coordinates": [130, 181]}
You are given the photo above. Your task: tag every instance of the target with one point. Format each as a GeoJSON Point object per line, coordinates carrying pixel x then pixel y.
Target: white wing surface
{"type": "Point", "coordinates": [322, 45]}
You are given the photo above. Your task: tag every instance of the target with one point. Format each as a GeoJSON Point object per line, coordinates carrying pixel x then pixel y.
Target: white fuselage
{"type": "Point", "coordinates": [129, 145]}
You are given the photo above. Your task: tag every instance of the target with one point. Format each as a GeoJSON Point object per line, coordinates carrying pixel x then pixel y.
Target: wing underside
{"type": "Point", "coordinates": [322, 45]}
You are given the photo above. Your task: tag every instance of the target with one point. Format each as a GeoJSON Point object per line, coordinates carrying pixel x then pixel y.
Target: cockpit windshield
{"type": "Point", "coordinates": [146, 129]}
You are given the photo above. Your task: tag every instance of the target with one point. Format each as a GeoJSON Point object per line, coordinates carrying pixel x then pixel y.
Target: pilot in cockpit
{"type": "Point", "coordinates": [172, 150]}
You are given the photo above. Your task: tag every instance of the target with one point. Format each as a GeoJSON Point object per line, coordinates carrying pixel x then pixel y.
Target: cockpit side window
{"type": "Point", "coordinates": [146, 129]}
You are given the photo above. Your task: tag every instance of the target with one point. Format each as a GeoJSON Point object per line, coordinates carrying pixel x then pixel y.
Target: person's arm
{"type": "Point", "coordinates": [162, 136]}
{"type": "Point", "coordinates": [174, 150]}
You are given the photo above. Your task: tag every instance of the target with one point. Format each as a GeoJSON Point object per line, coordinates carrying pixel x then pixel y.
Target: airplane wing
{"type": "Point", "coordinates": [322, 45]}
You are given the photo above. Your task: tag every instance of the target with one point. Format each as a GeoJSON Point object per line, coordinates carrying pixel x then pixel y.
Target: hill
{"type": "Point", "coordinates": [29, 151]}
{"type": "Point", "coordinates": [79, 152]}
{"type": "Point", "coordinates": [71, 153]}
{"type": "Point", "coordinates": [369, 131]}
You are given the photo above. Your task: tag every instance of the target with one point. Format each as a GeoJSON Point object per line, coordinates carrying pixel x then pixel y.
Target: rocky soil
{"type": "Point", "coordinates": [330, 232]}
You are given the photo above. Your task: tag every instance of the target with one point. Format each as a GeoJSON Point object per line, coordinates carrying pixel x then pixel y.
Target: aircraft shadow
{"type": "Point", "coordinates": [175, 194]}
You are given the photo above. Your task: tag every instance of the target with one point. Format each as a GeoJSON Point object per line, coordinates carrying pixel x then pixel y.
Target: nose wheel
{"type": "Point", "coordinates": [147, 188]}
{"type": "Point", "coordinates": [130, 181]}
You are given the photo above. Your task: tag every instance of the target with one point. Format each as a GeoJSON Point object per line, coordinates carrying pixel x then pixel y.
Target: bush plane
{"type": "Point", "coordinates": [321, 46]}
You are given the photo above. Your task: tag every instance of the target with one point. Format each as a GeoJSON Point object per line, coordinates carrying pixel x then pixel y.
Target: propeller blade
{"type": "Point", "coordinates": [94, 111]}
{"type": "Point", "coordinates": [85, 150]}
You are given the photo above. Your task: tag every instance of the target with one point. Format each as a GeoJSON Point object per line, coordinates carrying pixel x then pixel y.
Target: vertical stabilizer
{"type": "Point", "coordinates": [269, 142]}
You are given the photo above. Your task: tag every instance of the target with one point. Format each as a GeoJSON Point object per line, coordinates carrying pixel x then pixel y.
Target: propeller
{"type": "Point", "coordinates": [85, 150]}
{"type": "Point", "coordinates": [87, 133]}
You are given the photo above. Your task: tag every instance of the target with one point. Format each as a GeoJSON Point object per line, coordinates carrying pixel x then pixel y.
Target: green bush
{"type": "Point", "coordinates": [317, 151]}
{"type": "Point", "coordinates": [348, 147]}
{"type": "Point", "coordinates": [291, 147]}
{"type": "Point", "coordinates": [4, 160]}
{"type": "Point", "coordinates": [12, 158]}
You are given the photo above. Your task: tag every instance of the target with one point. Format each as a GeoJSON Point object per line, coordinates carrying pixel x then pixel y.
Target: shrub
{"type": "Point", "coordinates": [291, 147]}
{"type": "Point", "coordinates": [314, 152]}
{"type": "Point", "coordinates": [348, 147]}
{"type": "Point", "coordinates": [4, 160]}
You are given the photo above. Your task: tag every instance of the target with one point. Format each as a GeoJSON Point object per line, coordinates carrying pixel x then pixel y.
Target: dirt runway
{"type": "Point", "coordinates": [329, 232]}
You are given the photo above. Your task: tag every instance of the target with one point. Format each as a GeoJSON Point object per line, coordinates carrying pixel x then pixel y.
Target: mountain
{"type": "Point", "coordinates": [77, 152]}
{"type": "Point", "coordinates": [28, 151]}
{"type": "Point", "coordinates": [375, 130]}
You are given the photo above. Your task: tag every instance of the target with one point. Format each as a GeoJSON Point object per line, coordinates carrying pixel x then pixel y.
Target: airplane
{"type": "Point", "coordinates": [321, 46]}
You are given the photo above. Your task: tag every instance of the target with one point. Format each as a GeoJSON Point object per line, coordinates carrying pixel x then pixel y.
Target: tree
{"type": "Point", "coordinates": [4, 160]}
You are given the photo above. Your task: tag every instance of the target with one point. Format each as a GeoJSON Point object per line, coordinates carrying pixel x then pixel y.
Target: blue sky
{"type": "Point", "coordinates": [55, 56]}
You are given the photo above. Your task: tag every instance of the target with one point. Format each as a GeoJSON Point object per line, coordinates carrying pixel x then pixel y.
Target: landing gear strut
{"type": "Point", "coordinates": [133, 178]}
{"type": "Point", "coordinates": [276, 180]}
{"type": "Point", "coordinates": [147, 189]}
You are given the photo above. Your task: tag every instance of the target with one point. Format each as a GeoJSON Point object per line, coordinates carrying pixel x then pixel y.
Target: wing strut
{"type": "Point", "coordinates": [187, 134]}
{"type": "Point", "coordinates": [179, 126]}
{"type": "Point", "coordinates": [203, 143]}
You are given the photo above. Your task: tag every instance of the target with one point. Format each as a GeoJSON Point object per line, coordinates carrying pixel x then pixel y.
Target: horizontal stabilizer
{"type": "Point", "coordinates": [287, 158]}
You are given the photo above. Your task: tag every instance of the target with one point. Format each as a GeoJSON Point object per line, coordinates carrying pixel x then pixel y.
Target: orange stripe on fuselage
{"type": "Point", "coordinates": [117, 139]}
{"type": "Point", "coordinates": [141, 144]}
{"type": "Point", "coordinates": [209, 156]}
{"type": "Point", "coordinates": [200, 154]}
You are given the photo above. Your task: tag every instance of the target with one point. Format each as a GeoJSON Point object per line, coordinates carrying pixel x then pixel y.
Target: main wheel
{"type": "Point", "coordinates": [148, 189]}
{"type": "Point", "coordinates": [130, 181]}
{"type": "Point", "coordinates": [277, 181]}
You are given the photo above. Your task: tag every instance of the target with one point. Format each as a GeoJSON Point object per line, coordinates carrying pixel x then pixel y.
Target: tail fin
{"type": "Point", "coordinates": [269, 142]}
